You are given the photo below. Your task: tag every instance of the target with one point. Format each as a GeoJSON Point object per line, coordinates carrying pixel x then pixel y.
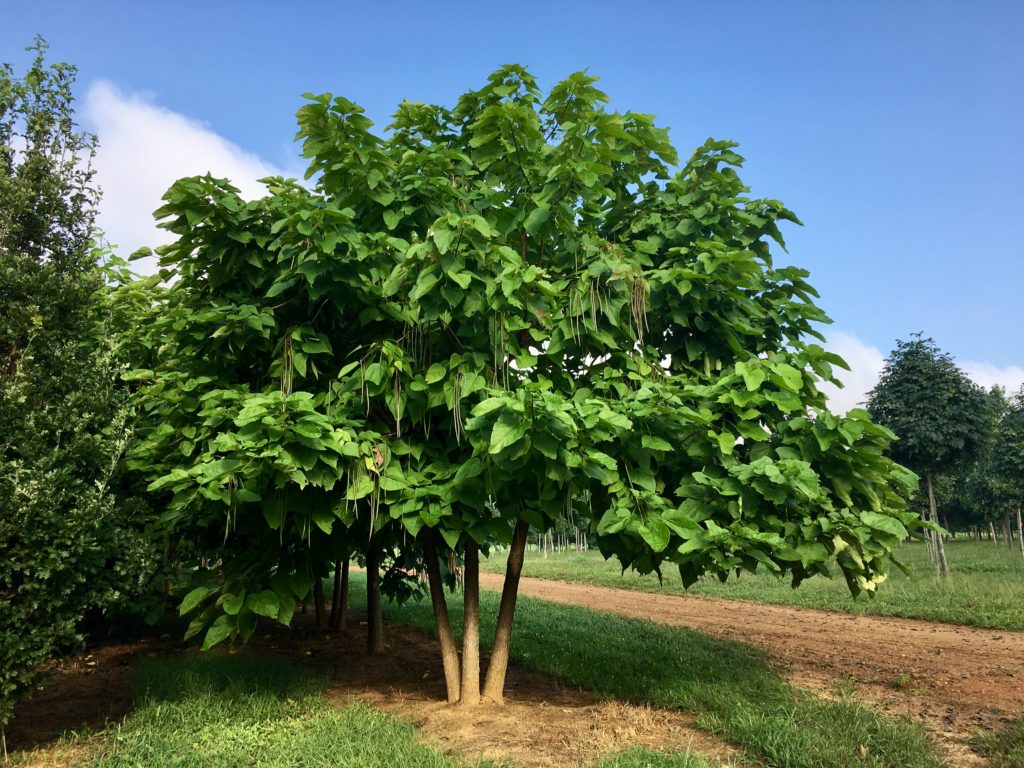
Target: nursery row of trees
{"type": "Point", "coordinates": [967, 444]}
{"type": "Point", "coordinates": [513, 314]}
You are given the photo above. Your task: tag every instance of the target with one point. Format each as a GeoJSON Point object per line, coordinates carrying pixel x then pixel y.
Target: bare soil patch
{"type": "Point", "coordinates": [544, 722]}
{"type": "Point", "coordinates": [957, 680]}
{"type": "Point", "coordinates": [84, 693]}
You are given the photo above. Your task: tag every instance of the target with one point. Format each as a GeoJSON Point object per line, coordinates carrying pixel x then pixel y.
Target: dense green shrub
{"type": "Point", "coordinates": [69, 538]}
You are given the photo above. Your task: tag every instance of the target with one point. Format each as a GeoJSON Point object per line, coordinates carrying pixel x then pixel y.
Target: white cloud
{"type": "Point", "coordinates": [143, 149]}
{"type": "Point", "coordinates": [866, 363]}
{"type": "Point", "coordinates": [1010, 378]}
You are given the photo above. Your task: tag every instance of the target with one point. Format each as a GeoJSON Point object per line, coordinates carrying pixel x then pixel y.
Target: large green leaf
{"type": "Point", "coordinates": [219, 631]}
{"type": "Point", "coordinates": [192, 600]}
{"type": "Point", "coordinates": [505, 434]}
{"type": "Point", "coordinates": [884, 523]}
{"type": "Point", "coordinates": [264, 603]}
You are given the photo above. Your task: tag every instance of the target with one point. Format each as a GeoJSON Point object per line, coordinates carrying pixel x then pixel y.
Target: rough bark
{"type": "Point", "coordinates": [494, 685]}
{"type": "Point", "coordinates": [374, 617]}
{"type": "Point", "coordinates": [318, 601]}
{"type": "Point", "coordinates": [339, 599]}
{"type": "Point", "coordinates": [445, 638]}
{"type": "Point", "coordinates": [470, 695]}
{"type": "Point", "coordinates": [940, 549]}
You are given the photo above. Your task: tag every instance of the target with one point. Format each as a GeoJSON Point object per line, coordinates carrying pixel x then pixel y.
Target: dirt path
{"type": "Point", "coordinates": [957, 679]}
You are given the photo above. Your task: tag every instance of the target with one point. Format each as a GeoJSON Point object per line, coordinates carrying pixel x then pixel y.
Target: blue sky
{"type": "Point", "coordinates": [895, 130]}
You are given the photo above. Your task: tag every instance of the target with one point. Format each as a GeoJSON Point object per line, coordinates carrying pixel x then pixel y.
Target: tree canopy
{"type": "Point", "coordinates": [939, 414]}
{"type": "Point", "coordinates": [485, 319]}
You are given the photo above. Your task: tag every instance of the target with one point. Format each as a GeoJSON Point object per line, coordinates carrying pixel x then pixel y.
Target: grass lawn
{"type": "Point", "coordinates": [730, 687]}
{"type": "Point", "coordinates": [646, 758]}
{"type": "Point", "coordinates": [240, 711]}
{"type": "Point", "coordinates": [218, 711]}
{"type": "Point", "coordinates": [985, 588]}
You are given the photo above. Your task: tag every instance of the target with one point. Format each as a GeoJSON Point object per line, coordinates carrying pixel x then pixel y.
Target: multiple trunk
{"type": "Point", "coordinates": [1005, 532]}
{"type": "Point", "coordinates": [551, 542]}
{"type": "Point", "coordinates": [463, 682]}
{"type": "Point", "coordinates": [934, 541]}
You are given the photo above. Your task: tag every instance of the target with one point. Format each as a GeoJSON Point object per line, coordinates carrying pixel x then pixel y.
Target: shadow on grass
{"type": "Point", "coordinates": [227, 710]}
{"type": "Point", "coordinates": [237, 675]}
{"type": "Point", "coordinates": [731, 687]}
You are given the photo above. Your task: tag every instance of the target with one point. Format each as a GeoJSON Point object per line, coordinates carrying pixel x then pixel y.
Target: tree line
{"type": "Point", "coordinates": [965, 443]}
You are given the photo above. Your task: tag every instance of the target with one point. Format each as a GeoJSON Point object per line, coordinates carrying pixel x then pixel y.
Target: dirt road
{"type": "Point", "coordinates": [958, 679]}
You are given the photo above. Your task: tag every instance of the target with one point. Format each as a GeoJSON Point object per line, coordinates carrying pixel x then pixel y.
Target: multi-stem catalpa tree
{"type": "Point", "coordinates": [484, 319]}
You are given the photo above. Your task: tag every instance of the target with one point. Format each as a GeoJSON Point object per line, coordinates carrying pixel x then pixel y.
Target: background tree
{"type": "Point", "coordinates": [496, 317]}
{"type": "Point", "coordinates": [69, 531]}
{"type": "Point", "coordinates": [1004, 466]}
{"type": "Point", "coordinates": [939, 415]}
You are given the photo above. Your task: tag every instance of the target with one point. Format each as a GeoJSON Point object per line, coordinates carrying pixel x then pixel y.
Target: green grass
{"type": "Point", "coordinates": [731, 687]}
{"type": "Point", "coordinates": [985, 589]}
{"type": "Point", "coordinates": [647, 758]}
{"type": "Point", "coordinates": [233, 711]}
{"type": "Point", "coordinates": [1004, 748]}
{"type": "Point", "coordinates": [240, 711]}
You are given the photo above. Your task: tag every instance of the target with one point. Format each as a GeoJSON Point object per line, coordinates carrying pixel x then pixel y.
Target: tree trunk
{"type": "Point", "coordinates": [929, 541]}
{"type": "Point", "coordinates": [1008, 530]}
{"type": "Point", "coordinates": [339, 599]}
{"type": "Point", "coordinates": [940, 549]}
{"type": "Point", "coordinates": [374, 617]}
{"type": "Point", "coordinates": [495, 683]}
{"type": "Point", "coordinates": [470, 695]}
{"type": "Point", "coordinates": [318, 601]}
{"type": "Point", "coordinates": [445, 638]}
{"type": "Point", "coordinates": [1020, 531]}
{"type": "Point", "coordinates": [991, 531]}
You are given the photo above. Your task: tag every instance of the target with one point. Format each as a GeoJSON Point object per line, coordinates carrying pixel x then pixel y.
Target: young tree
{"type": "Point", "coordinates": [495, 317]}
{"type": "Point", "coordinates": [68, 544]}
{"type": "Point", "coordinates": [939, 415]}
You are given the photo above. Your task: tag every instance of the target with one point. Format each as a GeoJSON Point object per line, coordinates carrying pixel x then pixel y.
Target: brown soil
{"type": "Point", "coordinates": [544, 723]}
{"type": "Point", "coordinates": [83, 693]}
{"type": "Point", "coordinates": [956, 679]}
